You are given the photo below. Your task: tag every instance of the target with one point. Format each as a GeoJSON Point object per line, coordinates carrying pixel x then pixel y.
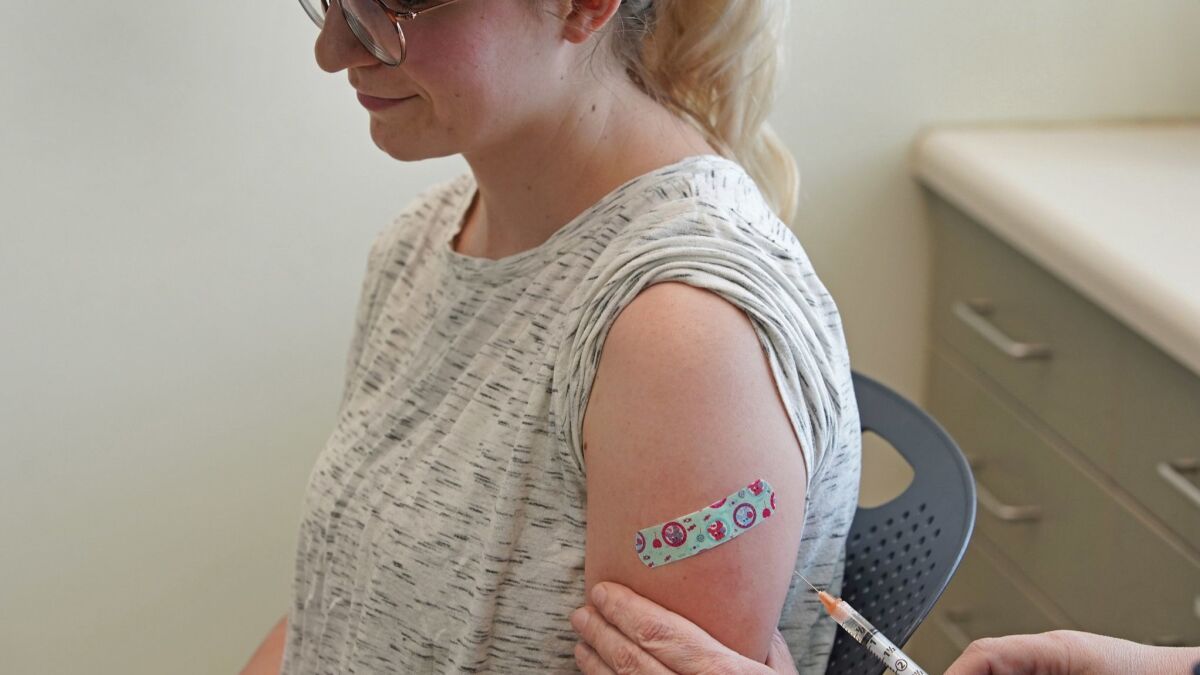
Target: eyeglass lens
{"type": "Point", "coordinates": [373, 26]}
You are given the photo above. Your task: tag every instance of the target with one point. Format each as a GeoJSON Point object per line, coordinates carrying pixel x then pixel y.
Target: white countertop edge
{"type": "Point", "coordinates": [1062, 248]}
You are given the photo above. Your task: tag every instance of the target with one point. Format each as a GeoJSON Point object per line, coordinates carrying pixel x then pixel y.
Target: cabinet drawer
{"type": "Point", "coordinates": [986, 598]}
{"type": "Point", "coordinates": [1157, 458]}
{"type": "Point", "coordinates": [1073, 389]}
{"type": "Point", "coordinates": [1068, 534]}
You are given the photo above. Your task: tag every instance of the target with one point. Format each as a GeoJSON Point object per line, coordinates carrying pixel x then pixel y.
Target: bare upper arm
{"type": "Point", "coordinates": [682, 412]}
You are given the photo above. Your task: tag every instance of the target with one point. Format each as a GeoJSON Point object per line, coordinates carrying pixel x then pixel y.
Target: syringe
{"type": "Point", "coordinates": [865, 634]}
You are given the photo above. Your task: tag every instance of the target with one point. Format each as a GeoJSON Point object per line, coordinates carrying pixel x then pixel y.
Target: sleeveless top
{"type": "Point", "coordinates": [442, 528]}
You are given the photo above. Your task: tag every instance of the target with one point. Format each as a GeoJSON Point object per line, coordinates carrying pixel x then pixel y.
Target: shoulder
{"type": "Point", "coordinates": [673, 323]}
{"type": "Point", "coordinates": [684, 354]}
{"type": "Point", "coordinates": [434, 202]}
{"type": "Point", "coordinates": [413, 222]}
{"type": "Point", "coordinates": [702, 278]}
{"type": "Point", "coordinates": [722, 212]}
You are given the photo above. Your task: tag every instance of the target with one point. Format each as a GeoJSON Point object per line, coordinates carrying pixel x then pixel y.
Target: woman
{"type": "Point", "coordinates": [619, 165]}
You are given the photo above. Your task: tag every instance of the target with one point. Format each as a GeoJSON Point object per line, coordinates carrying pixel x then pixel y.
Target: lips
{"type": "Point", "coordinates": [386, 98]}
{"type": "Point", "coordinates": [372, 103]}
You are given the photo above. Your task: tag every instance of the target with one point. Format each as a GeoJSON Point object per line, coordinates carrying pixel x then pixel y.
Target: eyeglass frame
{"type": "Point", "coordinates": [356, 26]}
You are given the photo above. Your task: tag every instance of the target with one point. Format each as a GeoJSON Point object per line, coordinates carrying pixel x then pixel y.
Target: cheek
{"type": "Point", "coordinates": [466, 92]}
{"type": "Point", "coordinates": [473, 75]}
{"type": "Point", "coordinates": [455, 69]}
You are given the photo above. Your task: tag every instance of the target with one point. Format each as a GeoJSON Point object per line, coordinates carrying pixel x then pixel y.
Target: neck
{"type": "Point", "coordinates": [543, 177]}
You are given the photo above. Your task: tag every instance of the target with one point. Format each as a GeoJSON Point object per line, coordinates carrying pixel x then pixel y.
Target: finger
{"type": "Point", "coordinates": [589, 661]}
{"type": "Point", "coordinates": [677, 643]}
{"type": "Point", "coordinates": [971, 662]}
{"type": "Point", "coordinates": [616, 650]}
{"type": "Point", "coordinates": [1015, 654]}
{"type": "Point", "coordinates": [779, 657]}
{"type": "Point", "coordinates": [992, 656]}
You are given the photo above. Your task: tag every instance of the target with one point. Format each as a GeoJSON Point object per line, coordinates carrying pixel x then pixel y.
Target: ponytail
{"type": "Point", "coordinates": [714, 63]}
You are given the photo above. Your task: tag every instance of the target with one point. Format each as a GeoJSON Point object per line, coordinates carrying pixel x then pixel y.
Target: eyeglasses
{"type": "Point", "coordinates": [377, 22]}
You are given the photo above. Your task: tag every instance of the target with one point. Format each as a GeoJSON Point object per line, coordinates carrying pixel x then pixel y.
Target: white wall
{"type": "Point", "coordinates": [187, 205]}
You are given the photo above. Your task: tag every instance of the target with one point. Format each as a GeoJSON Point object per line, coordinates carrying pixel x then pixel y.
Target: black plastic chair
{"type": "Point", "coordinates": [900, 555]}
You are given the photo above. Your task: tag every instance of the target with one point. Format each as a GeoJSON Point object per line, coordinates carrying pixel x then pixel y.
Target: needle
{"type": "Point", "coordinates": [810, 584]}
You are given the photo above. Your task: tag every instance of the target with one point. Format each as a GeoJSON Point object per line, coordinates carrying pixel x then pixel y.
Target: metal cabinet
{"type": "Point", "coordinates": [1085, 440]}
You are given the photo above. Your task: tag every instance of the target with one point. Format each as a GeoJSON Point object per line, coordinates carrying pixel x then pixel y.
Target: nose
{"type": "Point", "coordinates": [337, 46]}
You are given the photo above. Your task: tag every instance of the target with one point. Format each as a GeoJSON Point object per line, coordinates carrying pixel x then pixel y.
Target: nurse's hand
{"type": "Point", "coordinates": [1068, 652]}
{"type": "Point", "coordinates": [630, 634]}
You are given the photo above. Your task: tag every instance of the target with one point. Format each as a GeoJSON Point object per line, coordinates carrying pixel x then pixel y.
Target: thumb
{"type": "Point", "coordinates": [779, 657]}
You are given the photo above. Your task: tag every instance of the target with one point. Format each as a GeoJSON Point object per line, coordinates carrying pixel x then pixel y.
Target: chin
{"type": "Point", "coordinates": [406, 150]}
{"type": "Point", "coordinates": [407, 147]}
{"type": "Point", "coordinates": [405, 154]}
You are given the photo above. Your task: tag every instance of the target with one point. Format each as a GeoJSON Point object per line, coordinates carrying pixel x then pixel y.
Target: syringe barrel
{"type": "Point", "coordinates": [868, 636]}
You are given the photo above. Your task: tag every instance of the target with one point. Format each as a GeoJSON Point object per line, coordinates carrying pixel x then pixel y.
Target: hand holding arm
{"type": "Point", "coordinates": [632, 633]}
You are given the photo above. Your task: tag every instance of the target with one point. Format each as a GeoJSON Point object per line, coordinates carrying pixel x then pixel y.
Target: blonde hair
{"type": "Point", "coordinates": [714, 63]}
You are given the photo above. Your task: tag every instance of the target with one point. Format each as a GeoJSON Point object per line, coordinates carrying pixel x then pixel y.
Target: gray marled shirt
{"type": "Point", "coordinates": [442, 529]}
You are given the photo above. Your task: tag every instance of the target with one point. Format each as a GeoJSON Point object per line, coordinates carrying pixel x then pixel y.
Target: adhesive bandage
{"type": "Point", "coordinates": [711, 526]}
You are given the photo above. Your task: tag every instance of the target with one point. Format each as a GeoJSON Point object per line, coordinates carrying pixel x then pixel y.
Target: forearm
{"type": "Point", "coordinates": [1150, 659]}
{"type": "Point", "coordinates": [1089, 653]}
{"type": "Point", "coordinates": [269, 656]}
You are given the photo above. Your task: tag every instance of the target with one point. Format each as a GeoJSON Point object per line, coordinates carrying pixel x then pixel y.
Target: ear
{"type": "Point", "coordinates": [585, 17]}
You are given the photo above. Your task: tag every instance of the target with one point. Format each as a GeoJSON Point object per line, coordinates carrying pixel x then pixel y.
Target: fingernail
{"type": "Point", "coordinates": [579, 619]}
{"type": "Point", "coordinates": [598, 595]}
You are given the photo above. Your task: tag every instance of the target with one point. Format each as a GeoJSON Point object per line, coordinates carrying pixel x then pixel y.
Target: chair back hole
{"type": "Point", "coordinates": [885, 473]}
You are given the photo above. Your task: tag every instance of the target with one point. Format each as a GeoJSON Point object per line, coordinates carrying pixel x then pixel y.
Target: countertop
{"type": "Point", "coordinates": [1112, 209]}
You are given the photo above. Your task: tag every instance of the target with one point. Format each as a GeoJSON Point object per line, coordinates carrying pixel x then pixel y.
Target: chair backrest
{"type": "Point", "coordinates": [900, 555]}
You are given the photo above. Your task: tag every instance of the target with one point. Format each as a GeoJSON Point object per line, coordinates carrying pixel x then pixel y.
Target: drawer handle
{"type": "Point", "coordinates": [951, 626]}
{"type": "Point", "coordinates": [1006, 512]}
{"type": "Point", "coordinates": [974, 313]}
{"type": "Point", "coordinates": [1173, 473]}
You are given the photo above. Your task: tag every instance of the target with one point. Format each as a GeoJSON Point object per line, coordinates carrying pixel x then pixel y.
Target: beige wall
{"type": "Point", "coordinates": [188, 203]}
